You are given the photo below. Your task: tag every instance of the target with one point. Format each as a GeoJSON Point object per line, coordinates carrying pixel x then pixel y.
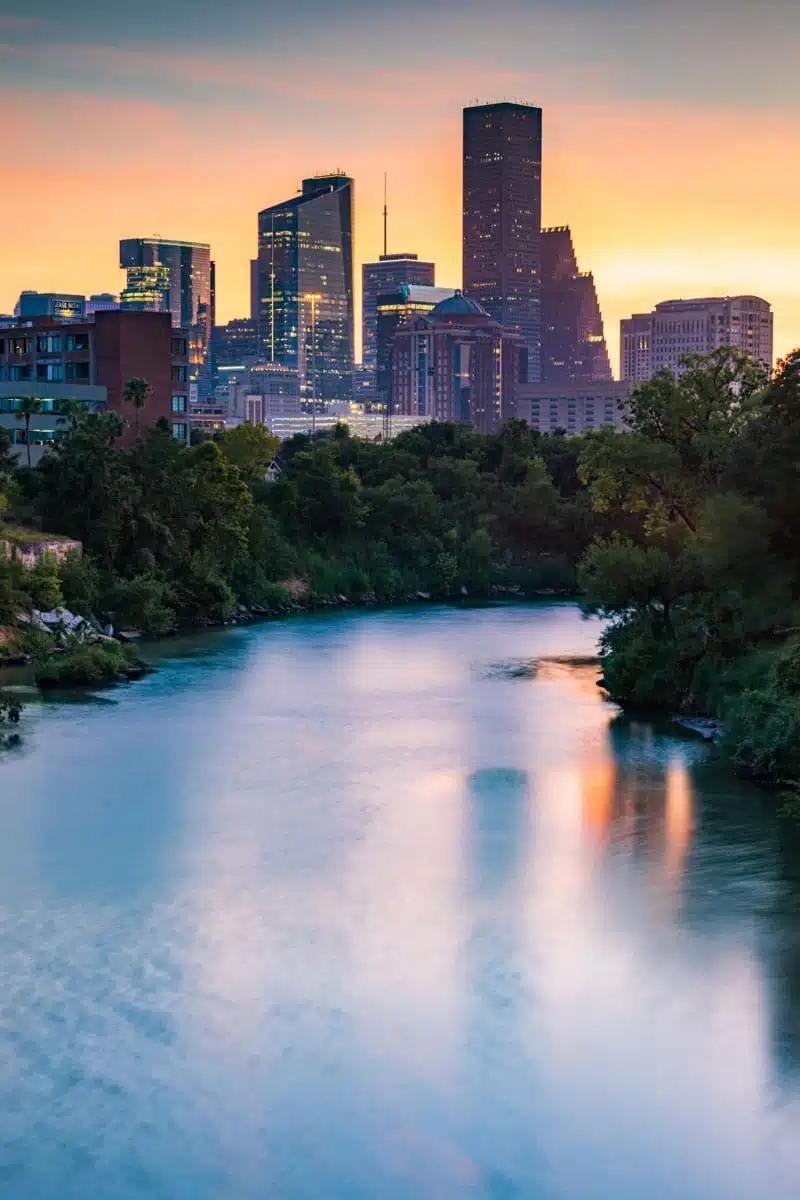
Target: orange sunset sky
{"type": "Point", "coordinates": [670, 147]}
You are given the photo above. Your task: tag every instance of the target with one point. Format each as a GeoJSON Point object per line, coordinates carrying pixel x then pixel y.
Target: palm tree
{"type": "Point", "coordinates": [137, 392]}
{"type": "Point", "coordinates": [29, 406]}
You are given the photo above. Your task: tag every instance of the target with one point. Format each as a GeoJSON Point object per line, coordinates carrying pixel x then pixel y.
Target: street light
{"type": "Point", "coordinates": [313, 297]}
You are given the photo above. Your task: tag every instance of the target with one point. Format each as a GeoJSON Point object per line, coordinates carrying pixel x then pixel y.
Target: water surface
{"type": "Point", "coordinates": [390, 905]}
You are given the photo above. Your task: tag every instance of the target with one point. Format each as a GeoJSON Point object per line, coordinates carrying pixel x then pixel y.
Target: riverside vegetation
{"type": "Point", "coordinates": [682, 530]}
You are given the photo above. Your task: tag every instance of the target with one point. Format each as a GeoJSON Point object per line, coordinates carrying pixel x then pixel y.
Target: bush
{"type": "Point", "coordinates": [142, 601]}
{"type": "Point", "coordinates": [43, 584]}
{"type": "Point", "coordinates": [643, 669]}
{"type": "Point", "coordinates": [80, 584]}
{"type": "Point", "coordinates": [101, 662]}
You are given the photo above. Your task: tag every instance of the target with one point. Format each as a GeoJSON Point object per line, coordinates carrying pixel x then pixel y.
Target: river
{"type": "Point", "coordinates": [390, 905]}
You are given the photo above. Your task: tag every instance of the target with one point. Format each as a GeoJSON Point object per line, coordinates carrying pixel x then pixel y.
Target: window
{"type": "Point", "coordinates": [2, 346]}
{"type": "Point", "coordinates": [179, 404]}
{"type": "Point", "coordinates": [77, 341]}
{"type": "Point", "coordinates": [179, 431]}
{"type": "Point", "coordinates": [50, 372]}
{"type": "Point", "coordinates": [178, 374]}
{"type": "Point", "coordinates": [77, 372]}
{"type": "Point", "coordinates": [179, 345]}
{"type": "Point", "coordinates": [18, 373]}
{"type": "Point", "coordinates": [48, 343]}
{"type": "Point", "coordinates": [19, 346]}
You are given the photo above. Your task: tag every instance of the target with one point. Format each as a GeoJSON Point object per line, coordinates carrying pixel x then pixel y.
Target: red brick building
{"type": "Point", "coordinates": [91, 361]}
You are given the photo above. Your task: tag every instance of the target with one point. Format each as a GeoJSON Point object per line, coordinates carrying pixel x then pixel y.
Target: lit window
{"type": "Point", "coordinates": [179, 431]}
{"type": "Point", "coordinates": [179, 404]}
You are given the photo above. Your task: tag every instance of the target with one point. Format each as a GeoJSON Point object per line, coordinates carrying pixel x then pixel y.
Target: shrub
{"type": "Point", "coordinates": [101, 662]}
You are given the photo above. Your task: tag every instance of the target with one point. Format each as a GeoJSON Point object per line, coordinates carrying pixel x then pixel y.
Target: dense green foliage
{"type": "Point", "coordinates": [81, 666]}
{"type": "Point", "coordinates": [176, 535]}
{"type": "Point", "coordinates": [701, 572]}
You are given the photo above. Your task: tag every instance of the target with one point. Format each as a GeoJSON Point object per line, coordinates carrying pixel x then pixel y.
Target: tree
{"type": "Point", "coordinates": [137, 392]}
{"type": "Point", "coordinates": [29, 406]}
{"type": "Point", "coordinates": [249, 447]}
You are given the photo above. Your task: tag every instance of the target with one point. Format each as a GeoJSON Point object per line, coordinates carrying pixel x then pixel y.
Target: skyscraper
{"type": "Point", "coordinates": [651, 341]}
{"type": "Point", "coordinates": [305, 285]}
{"type": "Point", "coordinates": [175, 277]}
{"type": "Point", "coordinates": [502, 208]}
{"type": "Point", "coordinates": [388, 274]}
{"type": "Point", "coordinates": [573, 342]}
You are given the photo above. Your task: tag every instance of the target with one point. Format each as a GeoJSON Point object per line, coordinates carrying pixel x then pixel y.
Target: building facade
{"type": "Point", "coordinates": [59, 306]}
{"type": "Point", "coordinates": [90, 362]}
{"type": "Point", "coordinates": [502, 214]}
{"type": "Point", "coordinates": [394, 309]}
{"type": "Point", "coordinates": [573, 407]}
{"type": "Point", "coordinates": [305, 286]}
{"type": "Point", "coordinates": [233, 343]}
{"type": "Point", "coordinates": [174, 277]}
{"type": "Point", "coordinates": [388, 274]}
{"type": "Point", "coordinates": [650, 342]}
{"type": "Point", "coordinates": [267, 390]}
{"type": "Point", "coordinates": [574, 347]}
{"type": "Point", "coordinates": [457, 364]}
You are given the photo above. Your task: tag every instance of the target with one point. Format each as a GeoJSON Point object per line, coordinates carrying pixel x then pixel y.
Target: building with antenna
{"type": "Point", "coordinates": [304, 285]}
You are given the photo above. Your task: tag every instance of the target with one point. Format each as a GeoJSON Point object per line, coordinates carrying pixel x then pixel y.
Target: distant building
{"type": "Point", "coordinates": [90, 361]}
{"type": "Point", "coordinates": [254, 290]}
{"type": "Point", "coordinates": [102, 302]}
{"type": "Point", "coordinates": [394, 309]}
{"type": "Point", "coordinates": [573, 407]}
{"type": "Point", "coordinates": [60, 306]}
{"type": "Point", "coordinates": [651, 341]}
{"type": "Point", "coordinates": [502, 211]}
{"type": "Point", "coordinates": [573, 342]}
{"type": "Point", "coordinates": [233, 343]}
{"type": "Point", "coordinates": [266, 390]}
{"type": "Point", "coordinates": [174, 277]}
{"type": "Point", "coordinates": [305, 286]}
{"type": "Point", "coordinates": [388, 274]}
{"type": "Point", "coordinates": [457, 364]}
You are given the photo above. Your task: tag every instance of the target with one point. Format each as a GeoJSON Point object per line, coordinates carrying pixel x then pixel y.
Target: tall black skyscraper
{"type": "Point", "coordinates": [305, 285]}
{"type": "Point", "coordinates": [503, 218]}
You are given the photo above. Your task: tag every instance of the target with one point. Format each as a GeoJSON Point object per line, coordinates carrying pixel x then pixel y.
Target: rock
{"type": "Point", "coordinates": [130, 635]}
{"type": "Point", "coordinates": [707, 728]}
{"type": "Point", "coordinates": [108, 631]}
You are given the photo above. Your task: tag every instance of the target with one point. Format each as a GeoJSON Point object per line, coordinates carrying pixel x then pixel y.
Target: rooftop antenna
{"type": "Point", "coordinates": [385, 216]}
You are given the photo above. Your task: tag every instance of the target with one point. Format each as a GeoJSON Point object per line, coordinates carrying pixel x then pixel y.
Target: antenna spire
{"type": "Point", "coordinates": [385, 217]}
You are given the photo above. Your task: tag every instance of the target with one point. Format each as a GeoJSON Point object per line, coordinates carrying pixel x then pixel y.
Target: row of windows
{"type": "Point", "coordinates": [49, 372]}
{"type": "Point", "coordinates": [44, 343]}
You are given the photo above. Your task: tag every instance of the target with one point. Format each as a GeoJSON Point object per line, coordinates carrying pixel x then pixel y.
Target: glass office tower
{"type": "Point", "coordinates": [305, 286]}
{"type": "Point", "coordinates": [503, 218]}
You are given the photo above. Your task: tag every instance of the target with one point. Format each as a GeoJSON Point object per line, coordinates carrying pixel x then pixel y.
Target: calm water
{"type": "Point", "coordinates": [353, 906]}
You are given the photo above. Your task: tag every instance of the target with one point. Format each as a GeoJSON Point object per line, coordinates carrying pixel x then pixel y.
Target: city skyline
{"type": "Point", "coordinates": [197, 131]}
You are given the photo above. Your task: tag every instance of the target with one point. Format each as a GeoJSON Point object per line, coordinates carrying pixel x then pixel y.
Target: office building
{"type": "Point", "coordinates": [59, 306]}
{"type": "Point", "coordinates": [91, 361]}
{"type": "Point", "coordinates": [102, 302]}
{"type": "Point", "coordinates": [388, 274]}
{"type": "Point", "coordinates": [675, 328]}
{"type": "Point", "coordinates": [502, 213]}
{"type": "Point", "coordinates": [457, 364]}
{"type": "Point", "coordinates": [265, 390]}
{"type": "Point", "coordinates": [573, 407]}
{"type": "Point", "coordinates": [174, 277]}
{"type": "Point", "coordinates": [394, 309]}
{"type": "Point", "coordinates": [573, 342]}
{"type": "Point", "coordinates": [233, 343]}
{"type": "Point", "coordinates": [305, 286]}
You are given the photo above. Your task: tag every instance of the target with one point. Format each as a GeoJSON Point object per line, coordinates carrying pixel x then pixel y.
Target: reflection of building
{"type": "Point", "coordinates": [503, 218]}
{"type": "Point", "coordinates": [91, 361]}
{"type": "Point", "coordinates": [573, 407]}
{"type": "Point", "coordinates": [651, 341]}
{"type": "Point", "coordinates": [174, 277]}
{"type": "Point", "coordinates": [392, 310]}
{"type": "Point", "coordinates": [388, 274]}
{"type": "Point", "coordinates": [59, 306]}
{"type": "Point", "coordinates": [305, 286]}
{"type": "Point", "coordinates": [457, 364]}
{"type": "Point", "coordinates": [573, 343]}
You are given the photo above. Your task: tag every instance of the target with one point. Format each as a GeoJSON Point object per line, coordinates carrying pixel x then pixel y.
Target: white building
{"type": "Point", "coordinates": [650, 341]}
{"type": "Point", "coordinates": [573, 407]}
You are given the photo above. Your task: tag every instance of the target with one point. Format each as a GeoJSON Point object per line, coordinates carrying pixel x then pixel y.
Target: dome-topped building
{"type": "Point", "coordinates": [457, 364]}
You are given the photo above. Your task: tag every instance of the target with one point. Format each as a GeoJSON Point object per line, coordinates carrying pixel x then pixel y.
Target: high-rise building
{"type": "Point", "coordinates": [574, 407]}
{"type": "Point", "coordinates": [573, 342]}
{"type": "Point", "coordinates": [394, 309]}
{"type": "Point", "coordinates": [174, 277]}
{"type": "Point", "coordinates": [305, 286]}
{"type": "Point", "coordinates": [388, 274]}
{"type": "Point", "coordinates": [457, 364]}
{"type": "Point", "coordinates": [652, 341]}
{"type": "Point", "coordinates": [502, 209]}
